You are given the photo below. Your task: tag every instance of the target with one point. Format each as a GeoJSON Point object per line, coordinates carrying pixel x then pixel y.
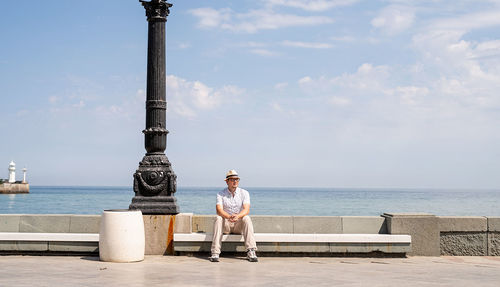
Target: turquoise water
{"type": "Point", "coordinates": [264, 201]}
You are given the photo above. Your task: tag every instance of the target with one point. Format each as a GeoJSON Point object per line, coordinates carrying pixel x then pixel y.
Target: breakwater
{"type": "Point", "coordinates": [14, 188]}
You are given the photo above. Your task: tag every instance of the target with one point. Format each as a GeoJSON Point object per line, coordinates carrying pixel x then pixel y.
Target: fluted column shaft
{"type": "Point", "coordinates": [155, 132]}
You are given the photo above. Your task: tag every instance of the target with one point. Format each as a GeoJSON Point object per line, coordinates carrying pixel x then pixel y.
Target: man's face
{"type": "Point", "coordinates": [232, 183]}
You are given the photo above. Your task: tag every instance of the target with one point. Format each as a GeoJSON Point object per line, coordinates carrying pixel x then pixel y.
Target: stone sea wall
{"type": "Point", "coordinates": [431, 235]}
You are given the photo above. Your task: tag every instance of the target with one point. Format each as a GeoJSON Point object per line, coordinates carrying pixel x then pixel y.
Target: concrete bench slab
{"type": "Point", "coordinates": [299, 242]}
{"type": "Point", "coordinates": [64, 237]}
{"type": "Point", "coordinates": [287, 237]}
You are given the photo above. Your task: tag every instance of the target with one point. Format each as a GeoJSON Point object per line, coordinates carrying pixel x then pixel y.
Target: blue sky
{"type": "Point", "coordinates": [320, 93]}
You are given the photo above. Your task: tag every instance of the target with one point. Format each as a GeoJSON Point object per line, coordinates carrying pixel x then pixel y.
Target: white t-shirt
{"type": "Point", "coordinates": [233, 204]}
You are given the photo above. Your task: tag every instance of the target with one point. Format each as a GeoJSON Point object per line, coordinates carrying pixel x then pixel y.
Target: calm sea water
{"type": "Point", "coordinates": [264, 201]}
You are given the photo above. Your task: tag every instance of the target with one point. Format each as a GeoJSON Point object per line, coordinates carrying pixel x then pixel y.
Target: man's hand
{"type": "Point", "coordinates": [234, 218]}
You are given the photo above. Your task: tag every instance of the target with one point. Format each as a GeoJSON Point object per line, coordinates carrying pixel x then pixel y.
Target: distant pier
{"type": "Point", "coordinates": [17, 187]}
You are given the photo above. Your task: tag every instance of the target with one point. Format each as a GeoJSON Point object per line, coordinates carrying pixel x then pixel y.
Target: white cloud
{"type": "Point", "coordinates": [367, 88]}
{"type": "Point", "coordinates": [369, 78]}
{"type": "Point", "coordinates": [211, 18]}
{"type": "Point", "coordinates": [309, 45]}
{"type": "Point", "coordinates": [305, 80]}
{"type": "Point", "coordinates": [311, 5]}
{"type": "Point", "coordinates": [468, 22]}
{"type": "Point", "coordinates": [187, 98]}
{"type": "Point", "coordinates": [254, 20]}
{"type": "Point", "coordinates": [394, 19]}
{"type": "Point", "coordinates": [487, 49]}
{"type": "Point", "coordinates": [284, 111]}
{"type": "Point", "coordinates": [411, 95]}
{"type": "Point", "coordinates": [464, 73]}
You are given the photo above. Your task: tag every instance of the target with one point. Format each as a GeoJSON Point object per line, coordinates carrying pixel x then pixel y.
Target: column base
{"type": "Point", "coordinates": [155, 204]}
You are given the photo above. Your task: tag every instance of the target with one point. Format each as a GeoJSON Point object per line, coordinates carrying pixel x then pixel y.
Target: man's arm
{"type": "Point", "coordinates": [221, 212]}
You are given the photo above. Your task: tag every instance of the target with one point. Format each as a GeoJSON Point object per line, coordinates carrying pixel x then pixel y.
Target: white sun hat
{"type": "Point", "coordinates": [232, 174]}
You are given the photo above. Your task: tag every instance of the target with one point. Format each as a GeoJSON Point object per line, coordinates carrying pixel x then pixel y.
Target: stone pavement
{"type": "Point", "coordinates": [236, 271]}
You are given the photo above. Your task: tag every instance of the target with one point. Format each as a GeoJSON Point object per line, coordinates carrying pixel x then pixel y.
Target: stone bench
{"type": "Point", "coordinates": [71, 243]}
{"type": "Point", "coordinates": [298, 243]}
{"type": "Point", "coordinates": [57, 237]}
{"type": "Point", "coordinates": [45, 233]}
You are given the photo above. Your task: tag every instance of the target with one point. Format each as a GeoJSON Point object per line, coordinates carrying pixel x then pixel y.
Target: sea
{"type": "Point", "coordinates": [264, 201]}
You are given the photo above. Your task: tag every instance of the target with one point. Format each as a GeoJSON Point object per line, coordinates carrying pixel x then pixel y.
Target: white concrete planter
{"type": "Point", "coordinates": [121, 236]}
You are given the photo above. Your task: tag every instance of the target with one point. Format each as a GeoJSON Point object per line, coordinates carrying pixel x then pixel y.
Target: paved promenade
{"type": "Point", "coordinates": [270, 271]}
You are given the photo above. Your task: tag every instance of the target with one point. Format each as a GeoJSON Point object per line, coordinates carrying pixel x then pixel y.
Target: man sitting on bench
{"type": "Point", "coordinates": [233, 206]}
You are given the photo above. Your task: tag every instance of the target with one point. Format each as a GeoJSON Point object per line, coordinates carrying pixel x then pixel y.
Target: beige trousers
{"type": "Point", "coordinates": [243, 226]}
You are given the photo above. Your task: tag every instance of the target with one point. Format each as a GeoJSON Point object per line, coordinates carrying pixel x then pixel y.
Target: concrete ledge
{"type": "Point", "coordinates": [8, 246]}
{"type": "Point", "coordinates": [364, 225]}
{"type": "Point", "coordinates": [67, 237]}
{"type": "Point", "coordinates": [30, 246]}
{"type": "Point", "coordinates": [285, 237]}
{"type": "Point", "coordinates": [203, 223]}
{"type": "Point", "coordinates": [302, 224]}
{"type": "Point", "coordinates": [463, 223]}
{"type": "Point", "coordinates": [84, 223]}
{"type": "Point", "coordinates": [53, 223]}
{"type": "Point", "coordinates": [423, 229]}
{"type": "Point", "coordinates": [272, 224]}
{"type": "Point", "coordinates": [307, 248]}
{"type": "Point", "coordinates": [49, 242]}
{"type": "Point", "coordinates": [85, 247]}
{"type": "Point", "coordinates": [360, 248]}
{"type": "Point", "coordinates": [44, 223]}
{"type": "Point", "coordinates": [183, 223]}
{"type": "Point", "coordinates": [315, 224]}
{"type": "Point", "coordinates": [299, 243]}
{"type": "Point", "coordinates": [261, 224]}
{"type": "Point", "coordinates": [9, 222]}
{"type": "Point", "coordinates": [494, 224]}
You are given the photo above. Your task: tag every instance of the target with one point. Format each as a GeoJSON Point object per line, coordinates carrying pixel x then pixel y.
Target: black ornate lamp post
{"type": "Point", "coordinates": [154, 180]}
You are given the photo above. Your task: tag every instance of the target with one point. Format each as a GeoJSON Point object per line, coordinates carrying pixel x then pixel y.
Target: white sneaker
{"type": "Point", "coordinates": [214, 258]}
{"type": "Point", "coordinates": [251, 255]}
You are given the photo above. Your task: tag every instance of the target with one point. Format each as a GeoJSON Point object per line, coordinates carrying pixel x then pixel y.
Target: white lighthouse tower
{"type": "Point", "coordinates": [12, 172]}
{"type": "Point", "coordinates": [24, 175]}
